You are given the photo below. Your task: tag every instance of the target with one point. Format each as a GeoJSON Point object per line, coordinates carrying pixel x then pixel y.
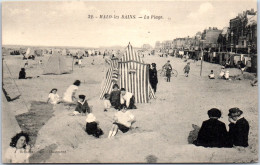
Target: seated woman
{"type": "Point", "coordinates": [127, 99]}
{"type": "Point", "coordinates": [19, 150]}
{"type": "Point", "coordinates": [213, 133]}
{"type": "Point", "coordinates": [115, 97]}
{"type": "Point", "coordinates": [238, 128]}
{"type": "Point", "coordinates": [92, 127]}
{"type": "Point", "coordinates": [123, 120]}
{"type": "Point", "coordinates": [22, 74]}
{"type": "Point", "coordinates": [69, 95]}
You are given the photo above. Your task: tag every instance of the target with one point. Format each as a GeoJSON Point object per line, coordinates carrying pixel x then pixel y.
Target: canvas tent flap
{"type": "Point", "coordinates": [56, 64]}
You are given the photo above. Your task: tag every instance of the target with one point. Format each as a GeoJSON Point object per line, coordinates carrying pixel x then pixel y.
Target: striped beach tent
{"type": "Point", "coordinates": [133, 75]}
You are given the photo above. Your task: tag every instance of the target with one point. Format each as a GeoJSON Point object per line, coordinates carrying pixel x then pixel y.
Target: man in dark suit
{"type": "Point", "coordinates": [238, 128]}
{"type": "Point", "coordinates": [213, 132]}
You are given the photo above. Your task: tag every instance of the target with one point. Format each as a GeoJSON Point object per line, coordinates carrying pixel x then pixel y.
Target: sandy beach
{"type": "Point", "coordinates": [163, 124]}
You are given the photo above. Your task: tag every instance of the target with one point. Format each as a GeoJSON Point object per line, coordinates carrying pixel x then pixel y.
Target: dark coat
{"type": "Point", "coordinates": [22, 75]}
{"type": "Point", "coordinates": [213, 133]}
{"type": "Point", "coordinates": [115, 99]}
{"type": "Point", "coordinates": [153, 76]}
{"type": "Point", "coordinates": [238, 133]}
{"type": "Point", "coordinates": [83, 108]}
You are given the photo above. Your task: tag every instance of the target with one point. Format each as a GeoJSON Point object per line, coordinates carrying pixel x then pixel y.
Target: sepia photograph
{"type": "Point", "coordinates": [129, 81]}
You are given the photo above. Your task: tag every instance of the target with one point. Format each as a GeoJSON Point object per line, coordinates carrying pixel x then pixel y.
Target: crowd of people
{"type": "Point", "coordinates": [119, 100]}
{"type": "Point", "coordinates": [213, 133]}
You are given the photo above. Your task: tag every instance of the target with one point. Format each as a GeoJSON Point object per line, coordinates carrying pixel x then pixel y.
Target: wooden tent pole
{"type": "Point", "coordinates": [201, 63]}
{"type": "Point", "coordinates": [72, 62]}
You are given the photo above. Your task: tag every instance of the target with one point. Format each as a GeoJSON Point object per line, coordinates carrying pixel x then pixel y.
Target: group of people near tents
{"type": "Point", "coordinates": [118, 100]}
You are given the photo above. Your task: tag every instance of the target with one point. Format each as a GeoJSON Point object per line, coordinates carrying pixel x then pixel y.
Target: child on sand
{"type": "Point", "coordinates": [187, 69]}
{"type": "Point", "coordinates": [82, 106]}
{"type": "Point", "coordinates": [211, 75]}
{"type": "Point", "coordinates": [107, 104]}
{"type": "Point", "coordinates": [123, 120]}
{"type": "Point", "coordinates": [92, 127]}
{"type": "Point", "coordinates": [226, 76]}
{"type": "Point", "coordinates": [168, 74]}
{"type": "Point", "coordinates": [222, 72]}
{"type": "Point", "coordinates": [53, 97]}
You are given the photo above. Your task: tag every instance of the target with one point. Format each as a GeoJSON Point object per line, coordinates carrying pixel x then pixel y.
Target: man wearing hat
{"type": "Point", "coordinates": [238, 128]}
{"type": "Point", "coordinates": [213, 133]}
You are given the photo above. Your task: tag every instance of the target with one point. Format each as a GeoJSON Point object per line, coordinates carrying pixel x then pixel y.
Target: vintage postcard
{"type": "Point", "coordinates": [129, 81]}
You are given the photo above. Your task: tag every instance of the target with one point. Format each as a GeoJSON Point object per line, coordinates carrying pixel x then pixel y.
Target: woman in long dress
{"type": "Point", "coordinates": [69, 95]}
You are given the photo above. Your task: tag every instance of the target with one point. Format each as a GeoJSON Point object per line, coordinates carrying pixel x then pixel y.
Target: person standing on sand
{"type": "Point", "coordinates": [153, 77]}
{"type": "Point", "coordinates": [168, 69]}
{"type": "Point", "coordinates": [168, 75]}
{"type": "Point", "coordinates": [187, 69]}
{"type": "Point", "coordinates": [80, 63]}
{"type": "Point", "coordinates": [69, 95]}
{"type": "Point", "coordinates": [238, 128]}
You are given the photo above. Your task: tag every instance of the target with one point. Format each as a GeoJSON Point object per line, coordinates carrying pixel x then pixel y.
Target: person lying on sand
{"type": "Point", "coordinates": [213, 133]}
{"type": "Point", "coordinates": [92, 127]}
{"type": "Point", "coordinates": [123, 121]}
{"type": "Point", "coordinates": [82, 107]}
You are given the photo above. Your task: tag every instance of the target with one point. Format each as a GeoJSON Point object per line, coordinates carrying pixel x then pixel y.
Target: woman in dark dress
{"type": "Point", "coordinates": [238, 128]}
{"type": "Point", "coordinates": [153, 77]}
{"type": "Point", "coordinates": [213, 132]}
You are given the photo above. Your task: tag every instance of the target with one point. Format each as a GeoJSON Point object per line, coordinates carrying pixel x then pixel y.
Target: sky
{"type": "Point", "coordinates": [67, 23]}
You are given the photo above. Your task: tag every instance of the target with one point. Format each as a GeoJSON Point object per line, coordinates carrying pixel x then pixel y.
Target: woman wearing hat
{"type": "Point", "coordinates": [238, 128]}
{"type": "Point", "coordinates": [213, 132]}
